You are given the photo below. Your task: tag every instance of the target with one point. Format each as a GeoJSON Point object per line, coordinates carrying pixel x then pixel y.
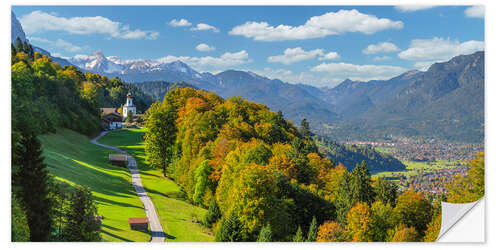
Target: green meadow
{"type": "Point", "coordinates": [73, 159]}
{"type": "Point", "coordinates": [179, 218]}
{"type": "Point", "coordinates": [414, 167]}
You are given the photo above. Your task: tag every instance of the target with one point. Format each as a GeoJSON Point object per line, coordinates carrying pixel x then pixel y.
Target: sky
{"type": "Point", "coordinates": [315, 45]}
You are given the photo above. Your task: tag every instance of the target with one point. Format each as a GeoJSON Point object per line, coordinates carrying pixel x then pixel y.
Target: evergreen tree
{"type": "Point", "coordinates": [299, 237]}
{"type": "Point", "coordinates": [82, 224]}
{"type": "Point", "coordinates": [362, 190]}
{"type": "Point", "coordinates": [313, 230]}
{"type": "Point", "coordinates": [385, 191]}
{"type": "Point", "coordinates": [230, 229]}
{"type": "Point", "coordinates": [344, 201]}
{"type": "Point", "coordinates": [213, 213]}
{"type": "Point", "coordinates": [305, 131]}
{"type": "Point", "coordinates": [129, 117]}
{"type": "Point", "coordinates": [265, 234]}
{"type": "Point", "coordinates": [19, 225]}
{"type": "Point", "coordinates": [18, 45]}
{"type": "Point", "coordinates": [31, 180]}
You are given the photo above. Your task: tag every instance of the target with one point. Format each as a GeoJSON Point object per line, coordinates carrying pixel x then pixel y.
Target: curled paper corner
{"type": "Point", "coordinates": [452, 213]}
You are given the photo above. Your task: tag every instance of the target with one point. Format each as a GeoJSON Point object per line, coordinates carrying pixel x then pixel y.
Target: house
{"type": "Point", "coordinates": [110, 119]}
{"type": "Point", "coordinates": [139, 224]}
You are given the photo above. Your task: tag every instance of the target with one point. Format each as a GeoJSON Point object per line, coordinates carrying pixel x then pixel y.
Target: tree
{"type": "Point", "coordinates": [130, 117]}
{"type": "Point", "coordinates": [362, 191]}
{"type": "Point", "coordinates": [230, 229]}
{"type": "Point", "coordinates": [406, 235]}
{"type": "Point", "coordinates": [330, 231]}
{"type": "Point", "coordinates": [413, 210]}
{"type": "Point", "coordinates": [382, 220]}
{"type": "Point", "coordinates": [32, 181]}
{"type": "Point", "coordinates": [201, 178]}
{"type": "Point", "coordinates": [298, 237]}
{"type": "Point", "coordinates": [213, 213]}
{"type": "Point", "coordinates": [360, 224]}
{"type": "Point", "coordinates": [305, 131]}
{"type": "Point", "coordinates": [160, 137]}
{"type": "Point", "coordinates": [470, 187]}
{"type": "Point", "coordinates": [81, 222]}
{"type": "Point", "coordinates": [19, 225]}
{"type": "Point", "coordinates": [385, 191]}
{"type": "Point", "coordinates": [313, 230]}
{"type": "Point", "coordinates": [344, 201]}
{"type": "Point", "coordinates": [433, 229]}
{"type": "Point", "coordinates": [266, 234]}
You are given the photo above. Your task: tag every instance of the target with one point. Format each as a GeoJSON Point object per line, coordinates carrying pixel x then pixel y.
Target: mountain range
{"type": "Point", "coordinates": [444, 102]}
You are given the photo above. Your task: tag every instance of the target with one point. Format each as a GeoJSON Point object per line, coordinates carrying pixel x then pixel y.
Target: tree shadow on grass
{"type": "Point", "coordinates": [170, 237]}
{"type": "Point", "coordinates": [104, 200]}
{"type": "Point", "coordinates": [174, 195]}
{"type": "Point", "coordinates": [115, 236]}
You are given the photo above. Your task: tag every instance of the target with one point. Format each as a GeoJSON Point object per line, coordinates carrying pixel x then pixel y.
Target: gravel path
{"type": "Point", "coordinates": [157, 234]}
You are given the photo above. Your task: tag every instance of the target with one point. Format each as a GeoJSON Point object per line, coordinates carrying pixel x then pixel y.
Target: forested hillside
{"type": "Point", "coordinates": [158, 89]}
{"type": "Point", "coordinates": [352, 155]}
{"type": "Point", "coordinates": [46, 97]}
{"type": "Point", "coordinates": [263, 179]}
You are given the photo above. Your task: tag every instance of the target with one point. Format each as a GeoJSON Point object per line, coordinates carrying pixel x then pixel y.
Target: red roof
{"type": "Point", "coordinates": [138, 220]}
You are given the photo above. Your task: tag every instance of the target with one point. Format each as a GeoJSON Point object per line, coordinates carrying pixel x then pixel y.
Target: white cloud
{"type": "Point", "coordinates": [204, 26]}
{"type": "Point", "coordinates": [203, 47]}
{"type": "Point", "coordinates": [475, 11]}
{"type": "Point", "coordinates": [381, 58]}
{"type": "Point", "coordinates": [38, 39]}
{"type": "Point", "coordinates": [67, 46]}
{"type": "Point", "coordinates": [424, 66]}
{"type": "Point", "coordinates": [359, 72]}
{"type": "Point", "coordinates": [413, 7]}
{"type": "Point", "coordinates": [380, 48]}
{"type": "Point", "coordinates": [179, 23]}
{"type": "Point", "coordinates": [211, 63]}
{"type": "Point", "coordinates": [330, 56]}
{"type": "Point", "coordinates": [295, 55]}
{"type": "Point", "coordinates": [439, 49]}
{"type": "Point", "coordinates": [39, 21]}
{"type": "Point", "coordinates": [331, 23]}
{"type": "Point", "coordinates": [60, 43]}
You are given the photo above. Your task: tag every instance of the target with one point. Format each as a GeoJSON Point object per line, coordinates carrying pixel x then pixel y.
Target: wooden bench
{"type": "Point", "coordinates": [139, 224]}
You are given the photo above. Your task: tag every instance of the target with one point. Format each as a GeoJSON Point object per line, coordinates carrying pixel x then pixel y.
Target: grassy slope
{"type": "Point", "coordinates": [72, 158]}
{"type": "Point", "coordinates": [176, 215]}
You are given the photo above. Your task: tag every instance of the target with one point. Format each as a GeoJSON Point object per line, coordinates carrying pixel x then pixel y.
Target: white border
{"type": "Point", "coordinates": [492, 127]}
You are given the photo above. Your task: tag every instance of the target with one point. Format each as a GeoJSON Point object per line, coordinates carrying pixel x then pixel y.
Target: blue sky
{"type": "Point", "coordinates": [317, 45]}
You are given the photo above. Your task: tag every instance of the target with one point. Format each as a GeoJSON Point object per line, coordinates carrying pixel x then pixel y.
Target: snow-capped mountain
{"type": "Point", "coordinates": [113, 65]}
{"type": "Point", "coordinates": [97, 63]}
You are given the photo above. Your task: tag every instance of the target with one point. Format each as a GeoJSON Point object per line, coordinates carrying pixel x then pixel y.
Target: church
{"type": "Point", "coordinates": [129, 106]}
{"type": "Point", "coordinates": [111, 119]}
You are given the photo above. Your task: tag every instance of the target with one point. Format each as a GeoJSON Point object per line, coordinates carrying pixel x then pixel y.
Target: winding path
{"type": "Point", "coordinates": [157, 234]}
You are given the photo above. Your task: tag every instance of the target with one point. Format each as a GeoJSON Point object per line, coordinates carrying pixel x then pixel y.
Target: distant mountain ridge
{"type": "Point", "coordinates": [445, 102]}
{"type": "Point", "coordinates": [411, 104]}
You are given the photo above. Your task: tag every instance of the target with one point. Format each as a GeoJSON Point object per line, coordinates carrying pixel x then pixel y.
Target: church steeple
{"type": "Point", "coordinates": [129, 106]}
